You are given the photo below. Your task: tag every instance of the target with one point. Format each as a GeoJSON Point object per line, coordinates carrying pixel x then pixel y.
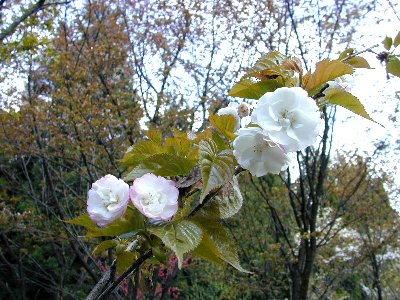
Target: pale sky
{"type": "Point", "coordinates": [379, 98]}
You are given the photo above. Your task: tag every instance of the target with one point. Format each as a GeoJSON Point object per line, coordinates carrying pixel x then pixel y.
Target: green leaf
{"type": "Point", "coordinates": [104, 246]}
{"type": "Point", "coordinates": [325, 71]}
{"type": "Point", "coordinates": [346, 53]}
{"type": "Point", "coordinates": [137, 172]}
{"type": "Point", "coordinates": [227, 203]}
{"type": "Point", "coordinates": [347, 100]}
{"type": "Point", "coordinates": [393, 65]}
{"type": "Point", "coordinates": [177, 156]}
{"type": "Point", "coordinates": [217, 168]}
{"type": "Point", "coordinates": [358, 62]}
{"type": "Point", "coordinates": [182, 147]}
{"type": "Point", "coordinates": [219, 242]}
{"type": "Point", "coordinates": [219, 141]}
{"type": "Point", "coordinates": [208, 250]}
{"type": "Point", "coordinates": [247, 88]}
{"type": "Point", "coordinates": [140, 152]}
{"type": "Point", "coordinates": [124, 260]}
{"type": "Point", "coordinates": [83, 220]}
{"type": "Point", "coordinates": [387, 42]}
{"type": "Point", "coordinates": [132, 220]}
{"type": "Point", "coordinates": [165, 164]}
{"type": "Point", "coordinates": [181, 237]}
{"type": "Point", "coordinates": [268, 66]}
{"type": "Point", "coordinates": [159, 253]}
{"type": "Point", "coordinates": [154, 135]}
{"type": "Point", "coordinates": [271, 71]}
{"type": "Point", "coordinates": [224, 124]}
{"type": "Point", "coordinates": [396, 41]}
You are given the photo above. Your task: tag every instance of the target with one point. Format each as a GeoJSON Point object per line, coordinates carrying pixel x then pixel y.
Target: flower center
{"type": "Point", "coordinates": [286, 119]}
{"type": "Point", "coordinates": [109, 199]}
{"type": "Point", "coordinates": [151, 199]}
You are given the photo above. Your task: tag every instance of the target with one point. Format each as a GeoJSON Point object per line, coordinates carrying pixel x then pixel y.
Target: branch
{"type": "Point", "coordinates": [13, 26]}
{"type": "Point", "coordinates": [369, 49]}
{"type": "Point", "coordinates": [103, 282]}
{"type": "Point", "coordinates": [320, 94]}
{"type": "Point", "coordinates": [133, 268]}
{"type": "Point", "coordinates": [291, 14]}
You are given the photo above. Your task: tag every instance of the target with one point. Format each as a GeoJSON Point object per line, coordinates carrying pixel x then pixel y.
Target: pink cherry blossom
{"type": "Point", "coordinates": [155, 197]}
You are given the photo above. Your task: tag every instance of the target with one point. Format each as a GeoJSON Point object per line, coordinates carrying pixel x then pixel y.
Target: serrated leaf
{"type": "Point", "coordinates": [396, 41]}
{"type": "Point", "coordinates": [132, 220]}
{"type": "Point", "coordinates": [219, 141]}
{"type": "Point", "coordinates": [227, 203]}
{"type": "Point", "coordinates": [224, 124]}
{"type": "Point", "coordinates": [292, 63]}
{"type": "Point", "coordinates": [220, 242]}
{"type": "Point", "coordinates": [83, 220]}
{"type": "Point", "coordinates": [249, 89]}
{"type": "Point", "coordinates": [165, 164]}
{"type": "Point", "coordinates": [393, 65]}
{"type": "Point", "coordinates": [158, 250]}
{"type": "Point", "coordinates": [203, 135]}
{"type": "Point", "coordinates": [267, 65]}
{"type": "Point", "coordinates": [387, 42]}
{"type": "Point", "coordinates": [124, 260]}
{"type": "Point", "coordinates": [347, 100]}
{"type": "Point", "coordinates": [179, 134]}
{"type": "Point", "coordinates": [346, 53]}
{"type": "Point", "coordinates": [136, 172]}
{"type": "Point", "coordinates": [154, 135]}
{"type": "Point", "coordinates": [358, 62]}
{"type": "Point", "coordinates": [162, 164]}
{"type": "Point", "coordinates": [178, 145]}
{"type": "Point", "coordinates": [104, 246]}
{"type": "Point", "coordinates": [208, 250]}
{"type": "Point", "coordinates": [181, 237]}
{"type": "Point", "coordinates": [217, 168]}
{"type": "Point", "coordinates": [139, 152]}
{"type": "Point", "coordinates": [326, 70]}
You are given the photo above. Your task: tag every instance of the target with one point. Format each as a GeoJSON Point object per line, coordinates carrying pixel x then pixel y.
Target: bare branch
{"type": "Point", "coordinates": [13, 26]}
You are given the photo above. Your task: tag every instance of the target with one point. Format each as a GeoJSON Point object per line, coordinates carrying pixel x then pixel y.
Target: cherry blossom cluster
{"type": "Point", "coordinates": [154, 196]}
{"type": "Point", "coordinates": [284, 121]}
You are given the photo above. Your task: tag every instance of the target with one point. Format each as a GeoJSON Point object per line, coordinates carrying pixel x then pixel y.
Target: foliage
{"type": "Point", "coordinates": [90, 82]}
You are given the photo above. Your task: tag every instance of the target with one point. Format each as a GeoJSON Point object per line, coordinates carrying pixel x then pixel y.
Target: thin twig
{"type": "Point", "coordinates": [13, 26]}
{"type": "Point", "coordinates": [369, 49]}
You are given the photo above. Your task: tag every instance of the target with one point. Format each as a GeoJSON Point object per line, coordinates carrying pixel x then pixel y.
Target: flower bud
{"type": "Point", "coordinates": [243, 110]}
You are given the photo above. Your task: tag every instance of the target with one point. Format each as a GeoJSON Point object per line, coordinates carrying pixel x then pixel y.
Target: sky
{"type": "Point", "coordinates": [381, 98]}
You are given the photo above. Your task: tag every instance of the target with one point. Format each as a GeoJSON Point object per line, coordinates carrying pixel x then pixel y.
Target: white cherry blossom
{"type": "Point", "coordinates": [289, 117]}
{"type": "Point", "coordinates": [155, 197]}
{"type": "Point", "coordinates": [254, 152]}
{"type": "Point", "coordinates": [107, 200]}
